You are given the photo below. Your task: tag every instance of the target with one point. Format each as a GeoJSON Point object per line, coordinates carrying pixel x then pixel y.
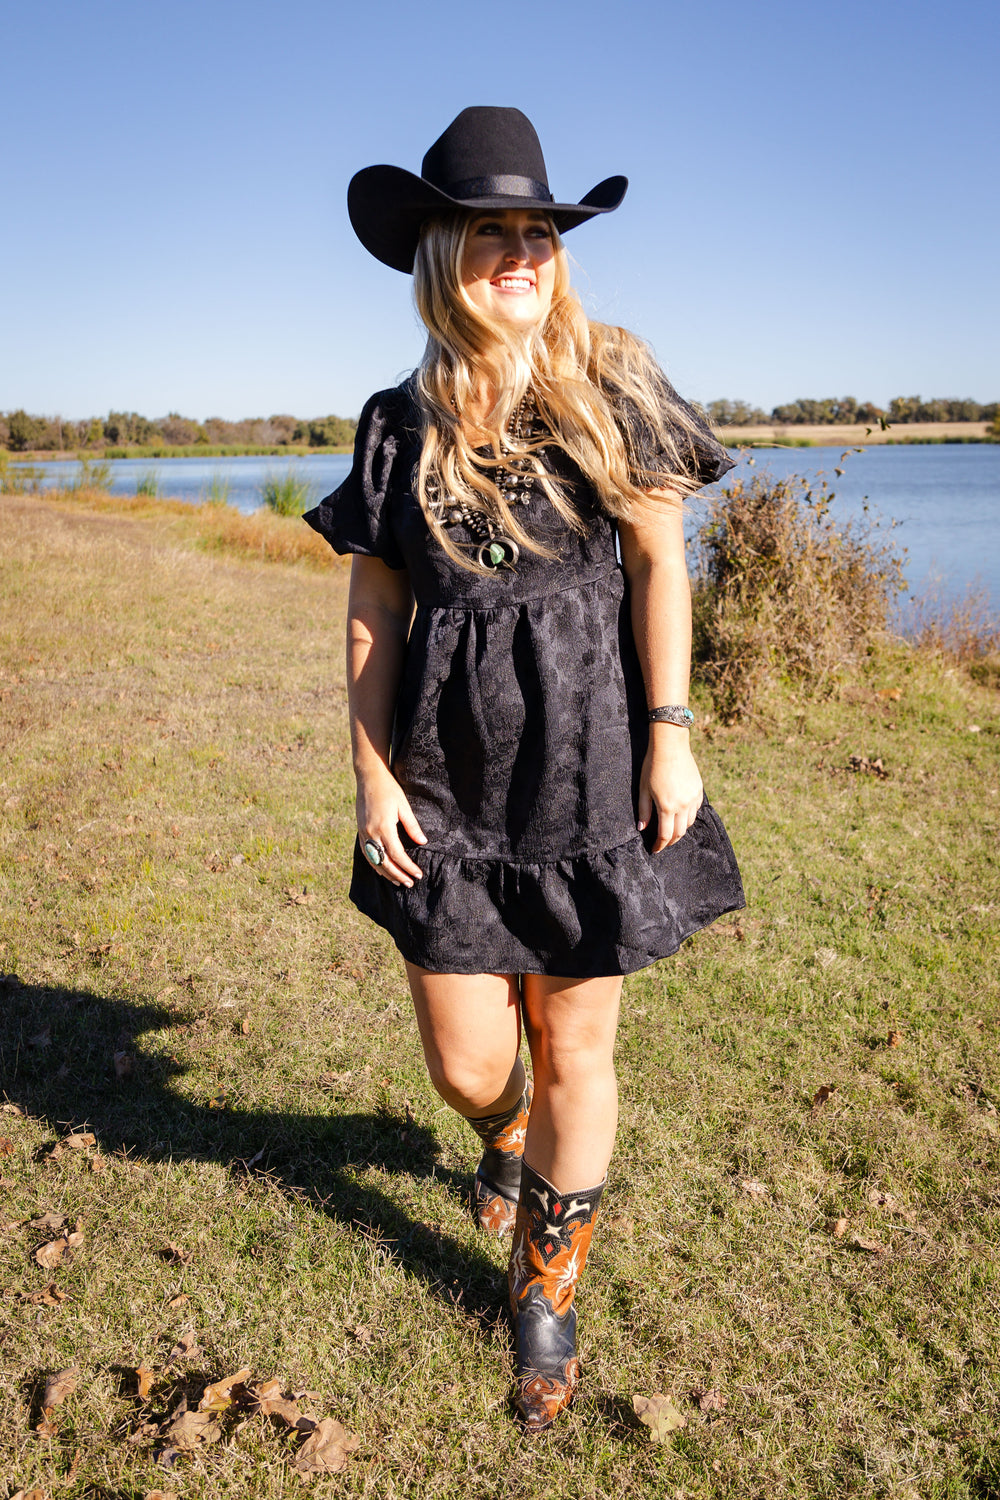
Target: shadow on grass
{"type": "Point", "coordinates": [316, 1159]}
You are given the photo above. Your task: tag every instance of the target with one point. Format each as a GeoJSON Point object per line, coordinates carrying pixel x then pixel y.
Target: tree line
{"type": "Point", "coordinates": [848, 411]}
{"type": "Point", "coordinates": [20, 432]}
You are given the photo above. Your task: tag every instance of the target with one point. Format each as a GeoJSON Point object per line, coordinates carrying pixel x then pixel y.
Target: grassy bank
{"type": "Point", "coordinates": [270, 1171]}
{"type": "Point", "coordinates": [192, 450]}
{"type": "Point", "coordinates": [832, 437]}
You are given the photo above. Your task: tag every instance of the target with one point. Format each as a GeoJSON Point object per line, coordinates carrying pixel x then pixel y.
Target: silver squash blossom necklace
{"type": "Point", "coordinates": [516, 482]}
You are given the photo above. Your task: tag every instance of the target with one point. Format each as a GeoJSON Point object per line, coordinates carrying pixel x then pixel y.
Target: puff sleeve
{"type": "Point", "coordinates": [356, 517]}
{"type": "Point", "coordinates": [704, 458]}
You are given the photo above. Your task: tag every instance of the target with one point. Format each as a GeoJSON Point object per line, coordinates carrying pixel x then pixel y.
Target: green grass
{"type": "Point", "coordinates": [148, 483]}
{"type": "Point", "coordinates": [217, 490]}
{"type": "Point", "coordinates": [174, 764]}
{"type": "Point", "coordinates": [287, 492]}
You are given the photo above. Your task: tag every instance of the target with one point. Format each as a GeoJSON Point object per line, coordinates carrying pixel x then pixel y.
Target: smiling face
{"type": "Point", "coordinates": [508, 265]}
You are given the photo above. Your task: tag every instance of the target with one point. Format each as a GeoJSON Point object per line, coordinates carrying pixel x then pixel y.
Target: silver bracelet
{"type": "Point", "coordinates": [672, 713]}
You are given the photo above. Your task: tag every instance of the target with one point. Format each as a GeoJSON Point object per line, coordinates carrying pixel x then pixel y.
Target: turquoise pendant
{"type": "Point", "coordinates": [498, 552]}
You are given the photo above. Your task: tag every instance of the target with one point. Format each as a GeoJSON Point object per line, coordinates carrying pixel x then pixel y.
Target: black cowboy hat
{"type": "Point", "coordinates": [487, 158]}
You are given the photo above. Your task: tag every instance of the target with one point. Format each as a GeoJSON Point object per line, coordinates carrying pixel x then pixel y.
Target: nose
{"type": "Point", "coordinates": [517, 247]}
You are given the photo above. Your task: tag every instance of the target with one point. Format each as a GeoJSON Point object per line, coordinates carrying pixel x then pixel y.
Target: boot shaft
{"type": "Point", "coordinates": [552, 1236]}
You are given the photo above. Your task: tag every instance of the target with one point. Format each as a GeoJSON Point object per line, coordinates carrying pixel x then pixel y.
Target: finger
{"type": "Point", "coordinates": [669, 828]}
{"type": "Point", "coordinates": [400, 859]}
{"type": "Point", "coordinates": [410, 824]}
{"type": "Point", "coordinates": [645, 808]}
{"type": "Point", "coordinates": [391, 866]}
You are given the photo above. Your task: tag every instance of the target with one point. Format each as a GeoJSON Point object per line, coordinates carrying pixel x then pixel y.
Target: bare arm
{"type": "Point", "coordinates": [653, 557]}
{"type": "Point", "coordinates": [378, 619]}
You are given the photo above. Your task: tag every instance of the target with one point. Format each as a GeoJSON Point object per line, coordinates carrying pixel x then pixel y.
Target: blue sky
{"type": "Point", "coordinates": [812, 211]}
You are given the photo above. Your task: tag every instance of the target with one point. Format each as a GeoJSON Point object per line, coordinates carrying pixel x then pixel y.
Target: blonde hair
{"type": "Point", "coordinates": [598, 390]}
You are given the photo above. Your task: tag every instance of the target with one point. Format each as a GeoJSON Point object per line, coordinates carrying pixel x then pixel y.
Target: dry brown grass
{"type": "Point", "coordinates": [863, 433]}
{"type": "Point", "coordinates": [217, 528]}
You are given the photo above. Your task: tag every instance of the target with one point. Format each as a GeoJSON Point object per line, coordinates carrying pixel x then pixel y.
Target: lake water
{"type": "Point", "coordinates": [944, 497]}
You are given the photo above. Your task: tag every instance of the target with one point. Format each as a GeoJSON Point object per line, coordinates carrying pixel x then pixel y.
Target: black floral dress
{"type": "Point", "coordinates": [519, 736]}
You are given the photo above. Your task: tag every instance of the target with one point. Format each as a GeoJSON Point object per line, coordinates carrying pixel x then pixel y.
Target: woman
{"type": "Point", "coordinates": [531, 821]}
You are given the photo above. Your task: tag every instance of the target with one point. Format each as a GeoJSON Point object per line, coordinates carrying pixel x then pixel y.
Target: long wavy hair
{"type": "Point", "coordinates": [598, 391]}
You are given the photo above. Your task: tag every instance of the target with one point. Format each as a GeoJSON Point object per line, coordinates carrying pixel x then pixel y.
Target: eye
{"type": "Point", "coordinates": [488, 226]}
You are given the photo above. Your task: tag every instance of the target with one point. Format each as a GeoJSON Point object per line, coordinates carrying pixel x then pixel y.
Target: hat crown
{"type": "Point", "coordinates": [486, 142]}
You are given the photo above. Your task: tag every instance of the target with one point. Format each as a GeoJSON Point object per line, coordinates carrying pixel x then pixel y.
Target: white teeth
{"type": "Point", "coordinates": [513, 283]}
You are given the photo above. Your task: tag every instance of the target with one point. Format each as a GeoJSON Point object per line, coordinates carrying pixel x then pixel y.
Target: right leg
{"type": "Point", "coordinates": [470, 1026]}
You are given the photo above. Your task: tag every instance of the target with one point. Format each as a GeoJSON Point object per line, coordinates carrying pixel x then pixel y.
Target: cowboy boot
{"type": "Point", "coordinates": [498, 1176]}
{"type": "Point", "coordinates": [551, 1239]}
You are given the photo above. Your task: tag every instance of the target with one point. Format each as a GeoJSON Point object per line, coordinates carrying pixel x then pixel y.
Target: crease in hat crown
{"type": "Point", "coordinates": [488, 157]}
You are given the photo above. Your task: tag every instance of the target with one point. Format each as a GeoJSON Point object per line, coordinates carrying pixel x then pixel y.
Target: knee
{"type": "Point", "coordinates": [469, 1084]}
{"type": "Point", "coordinates": [572, 1056]}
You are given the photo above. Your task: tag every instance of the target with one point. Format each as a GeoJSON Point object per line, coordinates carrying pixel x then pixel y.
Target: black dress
{"type": "Point", "coordinates": [519, 736]}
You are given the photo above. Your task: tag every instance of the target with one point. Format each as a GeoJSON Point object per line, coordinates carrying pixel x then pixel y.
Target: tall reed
{"type": "Point", "coordinates": [287, 492]}
{"type": "Point", "coordinates": [148, 483]}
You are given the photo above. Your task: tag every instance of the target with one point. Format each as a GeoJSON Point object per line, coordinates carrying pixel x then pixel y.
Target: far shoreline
{"type": "Point", "coordinates": [861, 435]}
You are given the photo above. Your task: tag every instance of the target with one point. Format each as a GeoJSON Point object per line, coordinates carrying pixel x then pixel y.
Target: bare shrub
{"type": "Point", "coordinates": [966, 630]}
{"type": "Point", "coordinates": [783, 591]}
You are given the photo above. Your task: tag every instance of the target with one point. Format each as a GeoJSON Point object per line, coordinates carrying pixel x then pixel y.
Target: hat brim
{"type": "Point", "coordinates": [388, 207]}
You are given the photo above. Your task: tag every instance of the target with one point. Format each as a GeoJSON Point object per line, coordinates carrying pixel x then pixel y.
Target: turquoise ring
{"type": "Point", "coordinates": [374, 853]}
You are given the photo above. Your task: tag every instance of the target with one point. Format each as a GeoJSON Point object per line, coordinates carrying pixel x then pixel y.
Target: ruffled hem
{"type": "Point", "coordinates": [610, 911]}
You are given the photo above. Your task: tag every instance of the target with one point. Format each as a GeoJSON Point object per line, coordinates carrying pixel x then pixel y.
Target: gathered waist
{"type": "Point", "coordinates": [516, 598]}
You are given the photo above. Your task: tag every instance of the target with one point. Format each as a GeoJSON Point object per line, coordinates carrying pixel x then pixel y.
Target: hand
{"type": "Point", "coordinates": [671, 783]}
{"type": "Point", "coordinates": [382, 809]}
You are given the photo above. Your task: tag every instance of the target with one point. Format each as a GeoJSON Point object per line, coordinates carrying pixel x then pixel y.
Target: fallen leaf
{"type": "Point", "coordinates": [12, 1109]}
{"type": "Point", "coordinates": [362, 1332]}
{"type": "Point", "coordinates": [168, 1456]}
{"type": "Point", "coordinates": [178, 1301]}
{"type": "Point", "coordinates": [145, 1380]}
{"type": "Point", "coordinates": [872, 1246]}
{"type": "Point", "coordinates": [50, 1256]}
{"type": "Point", "coordinates": [659, 1414]}
{"type": "Point", "coordinates": [46, 1428]}
{"type": "Point", "coordinates": [48, 1221]}
{"type": "Point", "coordinates": [244, 1028]}
{"type": "Point", "coordinates": [160, 1495]}
{"type": "Point", "coordinates": [186, 1347]}
{"type": "Point", "coordinates": [124, 1065]}
{"type": "Point", "coordinates": [326, 1450]}
{"type": "Point", "coordinates": [190, 1428]}
{"type": "Point", "coordinates": [265, 1390]}
{"type": "Point", "coordinates": [297, 898]}
{"type": "Point", "coordinates": [838, 1228]}
{"type": "Point", "coordinates": [882, 1200]}
{"type": "Point", "coordinates": [29, 1495]}
{"type": "Point", "coordinates": [712, 1400]}
{"type": "Point", "coordinates": [889, 695]}
{"type": "Point", "coordinates": [79, 1140]}
{"type": "Point", "coordinates": [175, 1255]}
{"type": "Point", "coordinates": [58, 1387]}
{"type": "Point", "coordinates": [220, 1395]}
{"type": "Point", "coordinates": [893, 1038]}
{"type": "Point", "coordinates": [6, 1146]}
{"type": "Point", "coordinates": [41, 1038]}
{"type": "Point", "coordinates": [825, 1092]}
{"type": "Point", "coordinates": [286, 1411]}
{"type": "Point", "coordinates": [754, 1188]}
{"type": "Point", "coordinates": [49, 1296]}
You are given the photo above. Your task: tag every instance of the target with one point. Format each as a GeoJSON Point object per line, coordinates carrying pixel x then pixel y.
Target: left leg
{"type": "Point", "coordinates": [571, 1026]}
